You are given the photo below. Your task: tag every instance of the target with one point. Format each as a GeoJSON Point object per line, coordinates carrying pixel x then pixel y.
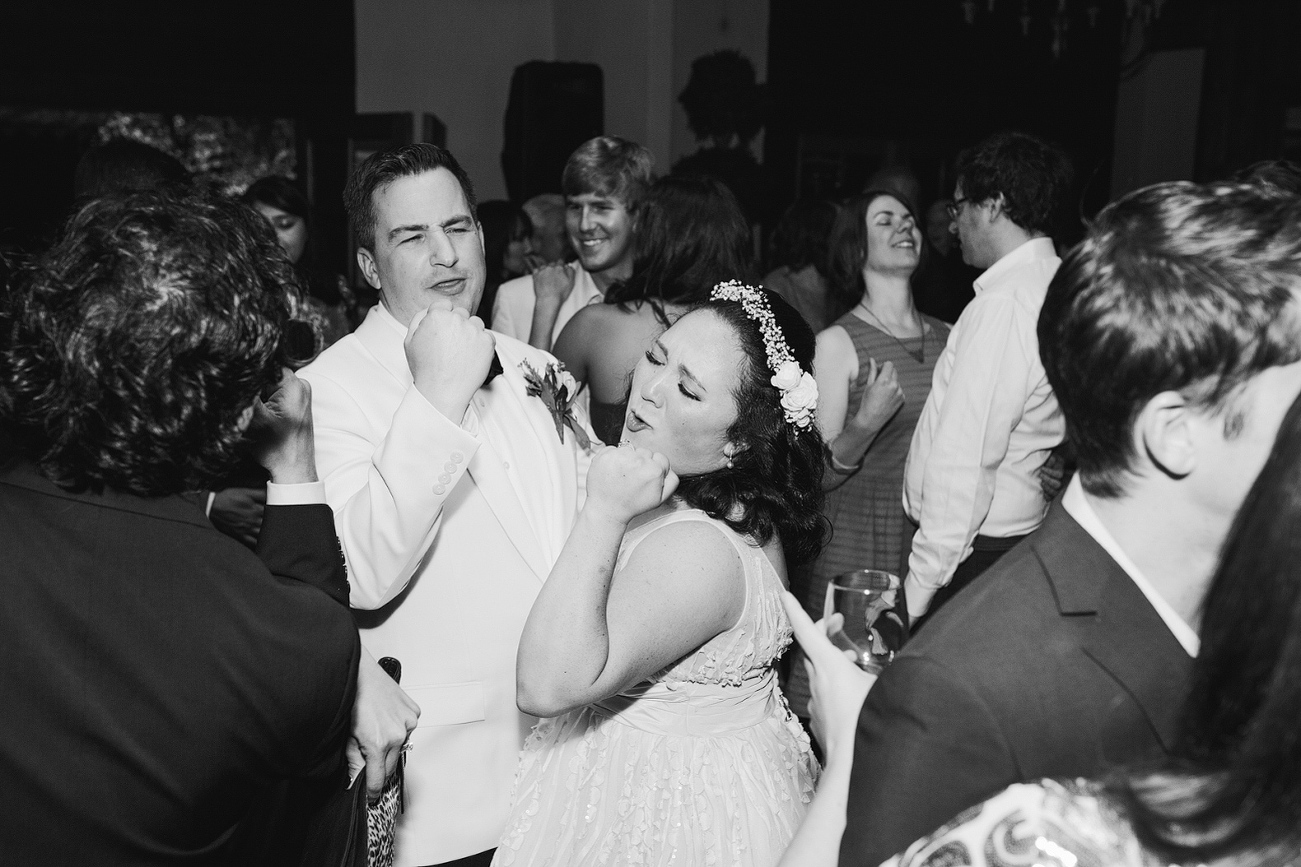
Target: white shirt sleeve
{"type": "Point", "coordinates": [302, 494]}
{"type": "Point", "coordinates": [982, 405]}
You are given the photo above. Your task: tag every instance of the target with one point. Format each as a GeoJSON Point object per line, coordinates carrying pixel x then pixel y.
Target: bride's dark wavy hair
{"type": "Point", "coordinates": [774, 486]}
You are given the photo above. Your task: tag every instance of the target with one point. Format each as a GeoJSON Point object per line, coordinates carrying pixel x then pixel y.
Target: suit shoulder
{"type": "Point", "coordinates": [516, 288]}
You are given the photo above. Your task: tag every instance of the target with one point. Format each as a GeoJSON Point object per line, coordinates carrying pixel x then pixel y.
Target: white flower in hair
{"type": "Point", "coordinates": [800, 401]}
{"type": "Point", "coordinates": [787, 376]}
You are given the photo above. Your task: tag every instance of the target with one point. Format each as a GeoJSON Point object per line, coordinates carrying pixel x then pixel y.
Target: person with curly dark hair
{"type": "Point", "coordinates": [972, 482]}
{"type": "Point", "coordinates": [652, 647]}
{"type": "Point", "coordinates": [170, 695]}
{"type": "Point", "coordinates": [692, 236]}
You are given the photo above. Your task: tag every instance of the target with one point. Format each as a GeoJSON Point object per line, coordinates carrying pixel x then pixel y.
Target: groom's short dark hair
{"type": "Point", "coordinates": [383, 168]}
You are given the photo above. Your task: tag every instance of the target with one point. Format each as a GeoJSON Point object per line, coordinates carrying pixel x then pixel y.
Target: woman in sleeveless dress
{"type": "Point", "coordinates": [874, 368]}
{"type": "Point", "coordinates": [651, 650]}
{"type": "Point", "coordinates": [691, 234]}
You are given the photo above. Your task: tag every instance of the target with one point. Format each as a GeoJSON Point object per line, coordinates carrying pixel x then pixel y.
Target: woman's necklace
{"type": "Point", "coordinates": [918, 355]}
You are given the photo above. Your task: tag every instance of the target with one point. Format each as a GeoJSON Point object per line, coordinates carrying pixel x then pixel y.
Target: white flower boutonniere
{"type": "Point", "coordinates": [558, 390]}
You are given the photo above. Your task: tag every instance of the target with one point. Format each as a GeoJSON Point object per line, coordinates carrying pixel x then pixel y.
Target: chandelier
{"type": "Point", "coordinates": [1061, 15]}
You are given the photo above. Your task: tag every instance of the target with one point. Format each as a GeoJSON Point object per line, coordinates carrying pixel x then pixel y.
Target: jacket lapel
{"type": "Point", "coordinates": [489, 474]}
{"type": "Point", "coordinates": [487, 467]}
{"type": "Point", "coordinates": [1118, 628]}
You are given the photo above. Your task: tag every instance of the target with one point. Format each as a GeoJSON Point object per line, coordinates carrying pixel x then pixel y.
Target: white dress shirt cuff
{"type": "Point", "coordinates": [302, 494]}
{"type": "Point", "coordinates": [917, 597]}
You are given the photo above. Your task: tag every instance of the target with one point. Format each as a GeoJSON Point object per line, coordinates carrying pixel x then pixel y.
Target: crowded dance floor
{"type": "Point", "coordinates": [661, 432]}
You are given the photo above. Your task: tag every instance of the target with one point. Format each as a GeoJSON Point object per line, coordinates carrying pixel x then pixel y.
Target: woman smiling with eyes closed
{"type": "Point", "coordinates": [652, 647]}
{"type": "Point", "coordinates": [874, 369]}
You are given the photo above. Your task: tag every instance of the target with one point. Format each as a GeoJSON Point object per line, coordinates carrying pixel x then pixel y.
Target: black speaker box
{"type": "Point", "coordinates": [554, 107]}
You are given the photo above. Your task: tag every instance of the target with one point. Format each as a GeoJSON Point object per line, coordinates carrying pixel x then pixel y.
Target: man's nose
{"type": "Point", "coordinates": [441, 249]}
{"type": "Point", "coordinates": [585, 221]}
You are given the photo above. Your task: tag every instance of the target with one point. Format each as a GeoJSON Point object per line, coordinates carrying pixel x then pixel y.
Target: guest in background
{"type": "Point", "coordinates": [507, 247]}
{"type": "Point", "coordinates": [972, 480]}
{"type": "Point", "coordinates": [1232, 792]}
{"type": "Point", "coordinates": [126, 165]}
{"type": "Point", "coordinates": [550, 242]}
{"type": "Point", "coordinates": [1172, 337]}
{"type": "Point", "coordinates": [652, 646]}
{"type": "Point", "coordinates": [800, 257]}
{"type": "Point", "coordinates": [331, 306]}
{"type": "Point", "coordinates": [163, 686]}
{"type": "Point", "coordinates": [943, 284]}
{"type": "Point", "coordinates": [725, 110]}
{"type": "Point", "coordinates": [874, 368]}
{"type": "Point", "coordinates": [692, 236]}
{"type": "Point", "coordinates": [604, 182]}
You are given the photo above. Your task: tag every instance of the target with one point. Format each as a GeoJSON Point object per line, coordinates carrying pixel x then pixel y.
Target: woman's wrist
{"type": "Point", "coordinates": [844, 469]}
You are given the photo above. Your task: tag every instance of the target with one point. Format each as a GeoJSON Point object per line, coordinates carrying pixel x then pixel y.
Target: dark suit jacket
{"type": "Point", "coordinates": [1051, 664]}
{"type": "Point", "coordinates": [160, 683]}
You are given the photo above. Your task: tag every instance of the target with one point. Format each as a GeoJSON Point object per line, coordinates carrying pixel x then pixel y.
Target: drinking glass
{"type": "Point", "coordinates": [872, 628]}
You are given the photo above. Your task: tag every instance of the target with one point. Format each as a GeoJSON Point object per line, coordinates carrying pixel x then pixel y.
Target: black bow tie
{"type": "Point", "coordinates": [494, 370]}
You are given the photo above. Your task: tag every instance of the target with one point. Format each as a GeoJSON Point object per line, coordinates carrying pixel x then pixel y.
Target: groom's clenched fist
{"type": "Point", "coordinates": [449, 353]}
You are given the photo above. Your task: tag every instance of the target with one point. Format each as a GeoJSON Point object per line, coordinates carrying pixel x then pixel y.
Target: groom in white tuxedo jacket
{"type": "Point", "coordinates": [452, 494]}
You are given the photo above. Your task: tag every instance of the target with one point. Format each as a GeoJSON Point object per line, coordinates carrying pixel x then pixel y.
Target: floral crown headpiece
{"type": "Point", "coordinates": [799, 391]}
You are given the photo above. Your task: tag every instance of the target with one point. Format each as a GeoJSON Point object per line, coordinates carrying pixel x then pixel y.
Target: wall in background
{"type": "Point", "coordinates": [454, 58]}
{"type": "Point", "coordinates": [702, 27]}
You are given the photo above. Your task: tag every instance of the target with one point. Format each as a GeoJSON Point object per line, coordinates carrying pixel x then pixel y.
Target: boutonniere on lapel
{"type": "Point", "coordinates": [558, 390]}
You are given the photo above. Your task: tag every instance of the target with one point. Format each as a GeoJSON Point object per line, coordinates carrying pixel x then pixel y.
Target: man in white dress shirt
{"type": "Point", "coordinates": [1172, 337]}
{"type": "Point", "coordinates": [604, 182]}
{"type": "Point", "coordinates": [971, 481]}
{"type": "Point", "coordinates": [453, 493]}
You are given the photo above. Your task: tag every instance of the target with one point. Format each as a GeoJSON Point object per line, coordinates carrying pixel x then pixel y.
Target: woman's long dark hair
{"type": "Point", "coordinates": [774, 486]}
{"type": "Point", "coordinates": [1235, 789]}
{"type": "Point", "coordinates": [691, 235]}
{"type": "Point", "coordinates": [849, 251]}
{"type": "Point", "coordinates": [280, 193]}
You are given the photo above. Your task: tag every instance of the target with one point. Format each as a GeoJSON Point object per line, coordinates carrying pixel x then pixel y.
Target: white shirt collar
{"type": "Point", "coordinates": [1077, 506]}
{"type": "Point", "coordinates": [391, 320]}
{"type": "Point", "coordinates": [1035, 248]}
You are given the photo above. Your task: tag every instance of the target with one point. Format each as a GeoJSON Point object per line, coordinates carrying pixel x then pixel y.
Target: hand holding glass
{"type": "Point", "coordinates": [872, 629]}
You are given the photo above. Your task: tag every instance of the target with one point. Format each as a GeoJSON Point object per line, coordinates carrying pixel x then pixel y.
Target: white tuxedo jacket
{"type": "Point", "coordinates": [448, 532]}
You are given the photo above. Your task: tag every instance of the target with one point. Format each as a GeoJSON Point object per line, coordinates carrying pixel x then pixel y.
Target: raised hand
{"type": "Point", "coordinates": [882, 398]}
{"type": "Point", "coordinates": [625, 481]}
{"type": "Point", "coordinates": [837, 685]}
{"type": "Point", "coordinates": [281, 431]}
{"type": "Point", "coordinates": [449, 353]}
{"type": "Point", "coordinates": [553, 283]}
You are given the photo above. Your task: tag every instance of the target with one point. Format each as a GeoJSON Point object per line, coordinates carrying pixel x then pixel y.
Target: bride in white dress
{"type": "Point", "coordinates": [651, 650]}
